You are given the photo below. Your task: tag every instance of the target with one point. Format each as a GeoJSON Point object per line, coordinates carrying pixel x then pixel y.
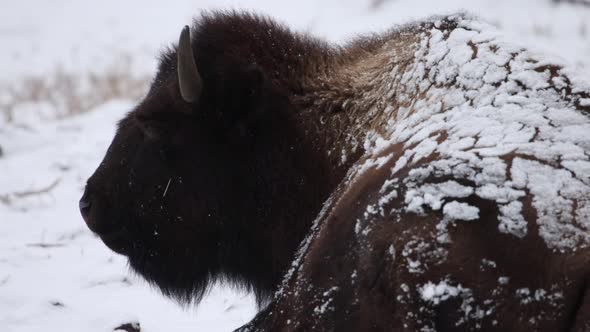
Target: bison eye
{"type": "Point", "coordinates": [165, 154]}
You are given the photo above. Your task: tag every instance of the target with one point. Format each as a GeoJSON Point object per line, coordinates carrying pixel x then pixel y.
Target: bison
{"type": "Point", "coordinates": [429, 178]}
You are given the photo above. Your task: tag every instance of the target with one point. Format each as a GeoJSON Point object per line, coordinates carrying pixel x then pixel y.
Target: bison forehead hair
{"type": "Point", "coordinates": [198, 184]}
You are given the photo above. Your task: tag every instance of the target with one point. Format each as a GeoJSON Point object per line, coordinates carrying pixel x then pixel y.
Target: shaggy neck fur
{"type": "Point", "coordinates": [338, 94]}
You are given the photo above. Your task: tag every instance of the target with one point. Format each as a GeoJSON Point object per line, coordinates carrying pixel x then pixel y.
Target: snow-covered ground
{"type": "Point", "coordinates": [54, 274]}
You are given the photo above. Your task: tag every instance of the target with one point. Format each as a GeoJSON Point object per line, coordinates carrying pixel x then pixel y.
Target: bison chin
{"type": "Point", "coordinates": [116, 242]}
{"type": "Point", "coordinates": [185, 279]}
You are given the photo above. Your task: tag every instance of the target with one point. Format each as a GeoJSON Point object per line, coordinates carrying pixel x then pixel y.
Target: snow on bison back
{"type": "Point", "coordinates": [430, 178]}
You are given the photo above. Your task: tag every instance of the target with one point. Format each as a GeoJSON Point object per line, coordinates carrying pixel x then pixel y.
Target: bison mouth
{"type": "Point", "coordinates": [114, 235]}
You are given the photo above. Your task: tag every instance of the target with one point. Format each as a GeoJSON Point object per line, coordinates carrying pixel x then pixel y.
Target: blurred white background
{"type": "Point", "coordinates": [70, 69]}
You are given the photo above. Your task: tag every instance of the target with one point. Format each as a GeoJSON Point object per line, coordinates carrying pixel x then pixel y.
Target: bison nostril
{"type": "Point", "coordinates": [84, 207]}
{"type": "Point", "coordinates": [85, 204]}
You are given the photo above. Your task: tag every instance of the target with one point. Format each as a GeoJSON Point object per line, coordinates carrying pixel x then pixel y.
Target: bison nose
{"type": "Point", "coordinates": [85, 204]}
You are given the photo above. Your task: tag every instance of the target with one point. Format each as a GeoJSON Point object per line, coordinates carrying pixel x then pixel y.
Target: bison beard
{"type": "Point", "coordinates": [428, 178]}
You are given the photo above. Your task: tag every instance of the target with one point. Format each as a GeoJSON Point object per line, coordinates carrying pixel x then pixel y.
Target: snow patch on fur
{"type": "Point", "coordinates": [494, 122]}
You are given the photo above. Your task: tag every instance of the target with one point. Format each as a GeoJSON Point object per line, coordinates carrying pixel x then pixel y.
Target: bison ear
{"type": "Point", "coordinates": [254, 80]}
{"type": "Point", "coordinates": [251, 94]}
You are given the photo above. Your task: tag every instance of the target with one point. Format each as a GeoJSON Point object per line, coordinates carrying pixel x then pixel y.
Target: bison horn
{"type": "Point", "coordinates": [189, 79]}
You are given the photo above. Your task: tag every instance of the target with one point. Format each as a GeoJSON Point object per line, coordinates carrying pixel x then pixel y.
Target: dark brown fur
{"type": "Point", "coordinates": [246, 174]}
{"type": "Point", "coordinates": [227, 188]}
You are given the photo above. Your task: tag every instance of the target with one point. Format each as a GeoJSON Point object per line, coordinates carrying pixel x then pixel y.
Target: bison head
{"type": "Point", "coordinates": [204, 180]}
